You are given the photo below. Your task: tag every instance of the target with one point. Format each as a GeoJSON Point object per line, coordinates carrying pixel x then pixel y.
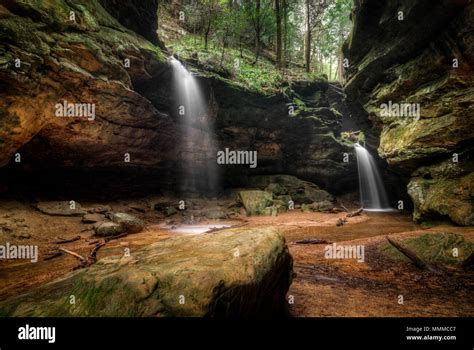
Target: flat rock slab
{"type": "Point", "coordinates": [231, 273]}
{"type": "Point", "coordinates": [92, 218]}
{"type": "Point", "coordinates": [56, 208]}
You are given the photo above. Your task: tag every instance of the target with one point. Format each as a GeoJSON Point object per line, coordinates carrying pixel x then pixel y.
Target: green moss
{"type": "Point", "coordinates": [300, 105]}
{"type": "Point", "coordinates": [434, 247]}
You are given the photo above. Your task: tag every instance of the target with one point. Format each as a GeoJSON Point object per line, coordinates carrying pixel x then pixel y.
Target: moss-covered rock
{"type": "Point", "coordinates": [441, 248]}
{"type": "Point", "coordinates": [236, 272]}
{"type": "Point", "coordinates": [451, 198]}
{"type": "Point", "coordinates": [256, 202]}
{"type": "Point", "coordinates": [296, 189]}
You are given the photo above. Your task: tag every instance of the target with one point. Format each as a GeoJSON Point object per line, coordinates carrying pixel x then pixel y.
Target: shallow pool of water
{"type": "Point", "coordinates": [194, 229]}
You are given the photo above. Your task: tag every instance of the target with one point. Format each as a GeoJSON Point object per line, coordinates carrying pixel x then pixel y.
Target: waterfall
{"type": "Point", "coordinates": [372, 191]}
{"type": "Point", "coordinates": [198, 168]}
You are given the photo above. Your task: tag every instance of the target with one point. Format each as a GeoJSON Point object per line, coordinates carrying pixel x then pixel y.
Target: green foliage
{"type": "Point", "coordinates": [262, 77]}
{"type": "Point", "coordinates": [300, 106]}
{"type": "Point", "coordinates": [239, 37]}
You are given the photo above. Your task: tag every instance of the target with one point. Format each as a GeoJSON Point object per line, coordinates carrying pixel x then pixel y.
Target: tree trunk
{"type": "Point", "coordinates": [241, 48]}
{"type": "Point", "coordinates": [278, 33]}
{"type": "Point", "coordinates": [257, 30]}
{"type": "Point", "coordinates": [340, 68]}
{"type": "Point", "coordinates": [206, 37]}
{"type": "Point", "coordinates": [340, 59]}
{"type": "Point", "coordinates": [308, 38]}
{"type": "Point", "coordinates": [330, 68]}
{"type": "Point", "coordinates": [223, 49]}
{"type": "Point", "coordinates": [285, 33]}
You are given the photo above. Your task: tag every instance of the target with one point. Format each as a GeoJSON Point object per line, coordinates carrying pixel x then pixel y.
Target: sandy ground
{"type": "Point", "coordinates": [344, 287]}
{"type": "Point", "coordinates": [321, 287]}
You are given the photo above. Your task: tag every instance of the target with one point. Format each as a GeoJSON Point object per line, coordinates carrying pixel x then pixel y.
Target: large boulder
{"type": "Point", "coordinates": [255, 202]}
{"type": "Point", "coordinates": [425, 59]}
{"type": "Point", "coordinates": [130, 223]}
{"type": "Point", "coordinates": [301, 192]}
{"type": "Point", "coordinates": [236, 272]}
{"type": "Point", "coordinates": [443, 191]}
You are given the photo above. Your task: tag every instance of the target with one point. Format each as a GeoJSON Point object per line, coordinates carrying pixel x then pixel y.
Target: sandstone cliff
{"type": "Point", "coordinates": [418, 52]}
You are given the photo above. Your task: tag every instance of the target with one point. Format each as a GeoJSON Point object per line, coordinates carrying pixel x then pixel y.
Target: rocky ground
{"type": "Point", "coordinates": [320, 287]}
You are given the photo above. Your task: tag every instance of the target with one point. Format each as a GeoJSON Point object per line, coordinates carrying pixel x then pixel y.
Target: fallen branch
{"type": "Point", "coordinates": [414, 258]}
{"type": "Point", "coordinates": [63, 240]}
{"type": "Point", "coordinates": [83, 262]}
{"type": "Point", "coordinates": [343, 207]}
{"type": "Point", "coordinates": [312, 241]}
{"type": "Point", "coordinates": [92, 258]}
{"type": "Point", "coordinates": [74, 254]}
{"type": "Point", "coordinates": [355, 213]}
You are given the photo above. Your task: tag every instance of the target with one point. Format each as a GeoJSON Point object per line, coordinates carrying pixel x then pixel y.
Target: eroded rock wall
{"type": "Point", "coordinates": [49, 57]}
{"type": "Point", "coordinates": [137, 15]}
{"type": "Point", "coordinates": [418, 53]}
{"type": "Point", "coordinates": [305, 144]}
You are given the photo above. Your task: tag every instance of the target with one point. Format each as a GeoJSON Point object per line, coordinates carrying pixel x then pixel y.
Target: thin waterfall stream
{"type": "Point", "coordinates": [373, 196]}
{"type": "Point", "coordinates": [198, 169]}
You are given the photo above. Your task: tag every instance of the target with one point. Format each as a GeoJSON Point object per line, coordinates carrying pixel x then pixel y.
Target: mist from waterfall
{"type": "Point", "coordinates": [373, 196]}
{"type": "Point", "coordinates": [198, 158]}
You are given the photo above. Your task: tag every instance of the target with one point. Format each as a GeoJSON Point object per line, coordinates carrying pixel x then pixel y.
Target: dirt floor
{"type": "Point", "coordinates": [321, 287]}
